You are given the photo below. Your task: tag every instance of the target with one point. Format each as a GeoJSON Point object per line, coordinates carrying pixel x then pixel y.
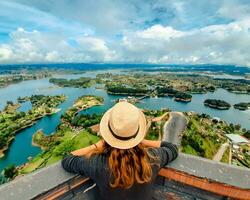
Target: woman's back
{"type": "Point", "coordinates": [97, 168]}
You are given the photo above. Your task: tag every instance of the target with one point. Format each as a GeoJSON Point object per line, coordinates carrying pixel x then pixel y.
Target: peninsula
{"type": "Point", "coordinates": [12, 120]}
{"type": "Point", "coordinates": [72, 133]}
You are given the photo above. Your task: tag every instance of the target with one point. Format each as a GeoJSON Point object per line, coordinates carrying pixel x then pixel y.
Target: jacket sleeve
{"type": "Point", "coordinates": [167, 153]}
{"type": "Point", "coordinates": [79, 165]}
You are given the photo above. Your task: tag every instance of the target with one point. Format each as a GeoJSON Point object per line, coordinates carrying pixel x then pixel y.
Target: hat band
{"type": "Point", "coordinates": [123, 138]}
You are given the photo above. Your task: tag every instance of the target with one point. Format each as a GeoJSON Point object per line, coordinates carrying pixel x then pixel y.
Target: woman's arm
{"type": "Point", "coordinates": [165, 150]}
{"type": "Point", "coordinates": [77, 162]}
{"type": "Point", "coordinates": [86, 150]}
{"type": "Point", "coordinates": [151, 143]}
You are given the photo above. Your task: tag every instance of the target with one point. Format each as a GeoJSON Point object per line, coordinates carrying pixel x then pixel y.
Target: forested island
{"type": "Point", "coordinates": [12, 120]}
{"type": "Point", "coordinates": [191, 83]}
{"type": "Point", "coordinates": [217, 104]}
{"type": "Point", "coordinates": [126, 90]}
{"type": "Point", "coordinates": [242, 106]}
{"type": "Point", "coordinates": [82, 82]}
{"type": "Point", "coordinates": [17, 78]}
{"type": "Point", "coordinates": [178, 96]}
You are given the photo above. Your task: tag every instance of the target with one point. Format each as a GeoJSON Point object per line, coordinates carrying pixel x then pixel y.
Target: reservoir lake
{"type": "Point", "coordinates": [21, 148]}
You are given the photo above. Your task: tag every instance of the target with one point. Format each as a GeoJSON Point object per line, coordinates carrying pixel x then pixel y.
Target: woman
{"type": "Point", "coordinates": [123, 165]}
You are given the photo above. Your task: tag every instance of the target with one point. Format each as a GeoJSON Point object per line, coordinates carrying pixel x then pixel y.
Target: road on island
{"type": "Point", "coordinates": [173, 128]}
{"type": "Point", "coordinates": [220, 152]}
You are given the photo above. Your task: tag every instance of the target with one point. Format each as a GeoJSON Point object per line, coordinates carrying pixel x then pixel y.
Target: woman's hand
{"type": "Point", "coordinates": [151, 143]}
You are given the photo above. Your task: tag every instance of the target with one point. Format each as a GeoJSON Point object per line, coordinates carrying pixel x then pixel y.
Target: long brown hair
{"type": "Point", "coordinates": [128, 166]}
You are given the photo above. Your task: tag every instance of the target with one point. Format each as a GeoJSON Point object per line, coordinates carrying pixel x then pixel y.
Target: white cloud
{"type": "Point", "coordinates": [222, 44]}
{"type": "Point", "coordinates": [5, 53]}
{"type": "Point", "coordinates": [35, 47]}
{"type": "Point", "coordinates": [161, 31]}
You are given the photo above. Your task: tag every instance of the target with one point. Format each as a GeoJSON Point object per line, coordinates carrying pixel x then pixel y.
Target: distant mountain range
{"type": "Point", "coordinates": [228, 69]}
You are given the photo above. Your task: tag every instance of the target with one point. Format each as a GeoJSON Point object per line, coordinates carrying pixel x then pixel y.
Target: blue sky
{"type": "Point", "coordinates": [131, 31]}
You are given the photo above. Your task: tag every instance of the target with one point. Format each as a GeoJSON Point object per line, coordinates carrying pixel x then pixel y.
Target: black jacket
{"type": "Point", "coordinates": [96, 167]}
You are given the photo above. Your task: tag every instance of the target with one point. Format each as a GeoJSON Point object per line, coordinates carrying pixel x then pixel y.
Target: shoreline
{"type": "Point", "coordinates": [33, 143]}
{"type": "Point", "coordinates": [33, 122]}
{"type": "Point", "coordinates": [182, 100]}
{"type": "Point", "coordinates": [127, 94]}
{"type": "Point", "coordinates": [216, 107]}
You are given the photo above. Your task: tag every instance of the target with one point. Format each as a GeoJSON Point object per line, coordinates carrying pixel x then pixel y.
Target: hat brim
{"type": "Point", "coordinates": [122, 144]}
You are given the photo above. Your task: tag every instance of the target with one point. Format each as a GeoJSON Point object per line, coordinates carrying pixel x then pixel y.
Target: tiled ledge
{"type": "Point", "coordinates": [186, 168]}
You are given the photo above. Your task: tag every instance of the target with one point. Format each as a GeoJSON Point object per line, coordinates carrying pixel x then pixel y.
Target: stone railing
{"type": "Point", "coordinates": [206, 175]}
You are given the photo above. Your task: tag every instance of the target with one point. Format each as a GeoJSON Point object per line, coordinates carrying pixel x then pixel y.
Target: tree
{"type": "Point", "coordinates": [237, 127]}
{"type": "Point", "coordinates": [2, 179]}
{"type": "Point", "coordinates": [247, 134]}
{"type": "Point", "coordinates": [10, 103]}
{"type": "Point", "coordinates": [10, 172]}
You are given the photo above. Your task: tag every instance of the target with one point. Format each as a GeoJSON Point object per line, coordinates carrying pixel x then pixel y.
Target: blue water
{"type": "Point", "coordinates": [21, 148]}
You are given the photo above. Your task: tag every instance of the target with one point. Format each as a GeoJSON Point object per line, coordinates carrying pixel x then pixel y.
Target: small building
{"type": "Point", "coordinates": [237, 139]}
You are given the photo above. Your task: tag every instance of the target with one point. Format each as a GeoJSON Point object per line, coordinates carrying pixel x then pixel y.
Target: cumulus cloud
{"type": "Point", "coordinates": [160, 31]}
{"type": "Point", "coordinates": [34, 46]}
{"type": "Point", "coordinates": [221, 44]}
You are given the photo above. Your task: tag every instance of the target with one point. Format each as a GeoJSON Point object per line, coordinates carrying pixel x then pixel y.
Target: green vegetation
{"type": "Point", "coordinates": [72, 133]}
{"type": "Point", "coordinates": [156, 113]}
{"type": "Point", "coordinates": [156, 120]}
{"type": "Point", "coordinates": [86, 120]}
{"type": "Point", "coordinates": [177, 82]}
{"type": "Point", "coordinates": [217, 104]}
{"type": "Point", "coordinates": [242, 106]}
{"type": "Point", "coordinates": [225, 157]}
{"type": "Point", "coordinates": [183, 97]}
{"type": "Point", "coordinates": [81, 103]}
{"type": "Point", "coordinates": [82, 82]}
{"type": "Point", "coordinates": [202, 137]}
{"type": "Point", "coordinates": [236, 86]}
{"type": "Point", "coordinates": [63, 142]}
{"type": "Point", "coordinates": [121, 89]}
{"type": "Point", "coordinates": [166, 91]}
{"type": "Point", "coordinates": [12, 121]}
{"type": "Point", "coordinates": [247, 134]}
{"type": "Point", "coordinates": [10, 172]}
{"type": "Point", "coordinates": [154, 132]}
{"type": "Point", "coordinates": [2, 179]}
{"type": "Point", "coordinates": [17, 78]}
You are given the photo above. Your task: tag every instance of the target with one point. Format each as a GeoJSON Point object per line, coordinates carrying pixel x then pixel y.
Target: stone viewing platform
{"type": "Point", "coordinates": [188, 177]}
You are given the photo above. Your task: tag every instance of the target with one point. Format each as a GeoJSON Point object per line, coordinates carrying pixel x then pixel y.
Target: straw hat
{"type": "Point", "coordinates": [123, 126]}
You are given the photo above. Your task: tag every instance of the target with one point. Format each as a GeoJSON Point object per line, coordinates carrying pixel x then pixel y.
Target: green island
{"type": "Point", "coordinates": [179, 86]}
{"type": "Point", "coordinates": [12, 120]}
{"type": "Point", "coordinates": [17, 78]}
{"type": "Point", "coordinates": [178, 96]}
{"type": "Point", "coordinates": [190, 83]}
{"type": "Point", "coordinates": [82, 82]}
{"type": "Point", "coordinates": [72, 133]}
{"type": "Point", "coordinates": [217, 104]}
{"type": "Point", "coordinates": [242, 106]}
